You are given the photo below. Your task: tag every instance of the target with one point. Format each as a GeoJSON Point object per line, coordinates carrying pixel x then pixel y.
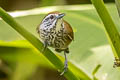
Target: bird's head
{"type": "Point", "coordinates": [52, 19]}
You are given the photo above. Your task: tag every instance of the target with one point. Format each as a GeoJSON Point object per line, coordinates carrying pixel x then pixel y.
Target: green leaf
{"type": "Point", "coordinates": [110, 26]}
{"type": "Point", "coordinates": [23, 58]}
{"type": "Point", "coordinates": [96, 69]}
{"type": "Point", "coordinates": [24, 53]}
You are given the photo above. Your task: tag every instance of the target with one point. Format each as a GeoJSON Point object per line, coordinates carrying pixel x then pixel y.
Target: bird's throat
{"type": "Point", "coordinates": [59, 24]}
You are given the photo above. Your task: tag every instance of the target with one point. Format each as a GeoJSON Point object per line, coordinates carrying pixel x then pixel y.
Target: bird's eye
{"type": "Point", "coordinates": [51, 17]}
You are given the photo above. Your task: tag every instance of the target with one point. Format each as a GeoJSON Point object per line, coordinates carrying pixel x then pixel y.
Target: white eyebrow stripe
{"type": "Point", "coordinates": [46, 17]}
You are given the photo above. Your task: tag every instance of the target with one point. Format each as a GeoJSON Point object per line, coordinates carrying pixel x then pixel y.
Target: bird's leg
{"type": "Point", "coordinates": [45, 45]}
{"type": "Point", "coordinates": [65, 64]}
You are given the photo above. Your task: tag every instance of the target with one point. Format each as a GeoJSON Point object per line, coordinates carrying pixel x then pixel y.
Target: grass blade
{"type": "Point", "coordinates": [109, 25]}
{"type": "Point", "coordinates": [96, 69]}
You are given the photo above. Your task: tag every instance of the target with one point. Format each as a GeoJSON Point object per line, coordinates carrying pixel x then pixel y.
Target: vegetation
{"type": "Point", "coordinates": [90, 58]}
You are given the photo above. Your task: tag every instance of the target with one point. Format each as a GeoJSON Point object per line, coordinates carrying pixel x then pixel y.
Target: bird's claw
{"type": "Point", "coordinates": [43, 50]}
{"type": "Point", "coordinates": [65, 68]}
{"type": "Point", "coordinates": [45, 46]}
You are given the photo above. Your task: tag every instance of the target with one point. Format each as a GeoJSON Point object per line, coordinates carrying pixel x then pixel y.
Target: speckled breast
{"type": "Point", "coordinates": [55, 39]}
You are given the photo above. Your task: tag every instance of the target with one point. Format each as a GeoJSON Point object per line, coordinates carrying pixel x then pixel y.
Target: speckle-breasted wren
{"type": "Point", "coordinates": [57, 33]}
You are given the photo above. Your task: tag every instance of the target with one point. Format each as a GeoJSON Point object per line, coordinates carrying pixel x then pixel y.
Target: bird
{"type": "Point", "coordinates": [57, 33]}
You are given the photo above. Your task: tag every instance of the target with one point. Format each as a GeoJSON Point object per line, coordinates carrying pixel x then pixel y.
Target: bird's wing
{"type": "Point", "coordinates": [69, 30]}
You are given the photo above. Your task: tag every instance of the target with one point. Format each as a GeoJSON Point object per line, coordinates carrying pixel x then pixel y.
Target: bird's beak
{"type": "Point", "coordinates": [60, 15]}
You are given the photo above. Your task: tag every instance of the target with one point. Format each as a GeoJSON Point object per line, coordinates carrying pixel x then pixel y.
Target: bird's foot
{"type": "Point", "coordinates": [45, 46]}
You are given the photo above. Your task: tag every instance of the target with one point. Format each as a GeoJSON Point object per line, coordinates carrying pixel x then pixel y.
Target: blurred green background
{"type": "Point", "coordinates": [10, 5]}
{"type": "Point", "coordinates": [20, 61]}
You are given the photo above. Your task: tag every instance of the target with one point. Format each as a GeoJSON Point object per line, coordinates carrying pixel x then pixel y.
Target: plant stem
{"type": "Point", "coordinates": [109, 25]}
{"type": "Point", "coordinates": [38, 45]}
